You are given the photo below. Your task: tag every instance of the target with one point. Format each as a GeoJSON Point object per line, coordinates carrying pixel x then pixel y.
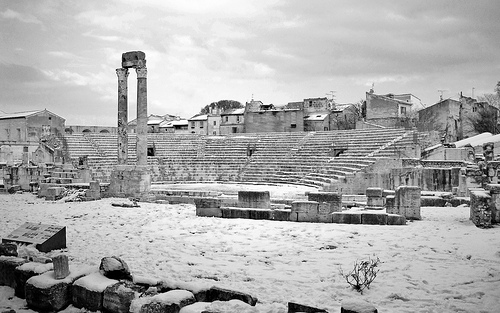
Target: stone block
{"type": "Point", "coordinates": [220, 294]}
{"type": "Point", "coordinates": [260, 214]}
{"type": "Point", "coordinates": [480, 208]}
{"type": "Point", "coordinates": [88, 291]}
{"type": "Point", "coordinates": [254, 199]}
{"type": "Point", "coordinates": [346, 217]}
{"type": "Point", "coordinates": [396, 219]}
{"type": "Point", "coordinates": [390, 205]}
{"type": "Point", "coordinates": [61, 266]}
{"type": "Point", "coordinates": [357, 306]}
{"type": "Point", "coordinates": [43, 187]}
{"type": "Point", "coordinates": [117, 298]}
{"type": "Point", "coordinates": [94, 191]}
{"type": "Point", "coordinates": [8, 249]}
{"type": "Point", "coordinates": [296, 308]}
{"type": "Point", "coordinates": [46, 293]}
{"type": "Point", "coordinates": [169, 302]}
{"type": "Point", "coordinates": [235, 213]}
{"type": "Point", "coordinates": [433, 201]}
{"type": "Point", "coordinates": [133, 59]}
{"type": "Point", "coordinates": [114, 268]}
{"type": "Point", "coordinates": [493, 188]}
{"type": "Point", "coordinates": [281, 214]}
{"type": "Point", "coordinates": [209, 212]}
{"type": "Point", "coordinates": [408, 201]}
{"type": "Point", "coordinates": [8, 265]}
{"type": "Point", "coordinates": [374, 218]}
{"type": "Point", "coordinates": [24, 272]}
{"type": "Point", "coordinates": [374, 192]}
{"type": "Point", "coordinates": [55, 193]}
{"type": "Point", "coordinates": [13, 189]}
{"type": "Point", "coordinates": [328, 197]}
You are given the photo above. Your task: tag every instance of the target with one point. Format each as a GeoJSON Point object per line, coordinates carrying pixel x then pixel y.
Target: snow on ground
{"type": "Point", "coordinates": [440, 264]}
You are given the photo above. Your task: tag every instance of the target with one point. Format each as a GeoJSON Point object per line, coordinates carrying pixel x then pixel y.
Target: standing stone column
{"type": "Point", "coordinates": [142, 116]}
{"type": "Point", "coordinates": [122, 115]}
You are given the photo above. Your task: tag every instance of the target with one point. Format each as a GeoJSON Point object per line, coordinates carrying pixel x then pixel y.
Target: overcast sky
{"type": "Point", "coordinates": [62, 55]}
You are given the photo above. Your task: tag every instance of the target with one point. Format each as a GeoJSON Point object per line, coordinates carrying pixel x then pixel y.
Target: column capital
{"type": "Point", "coordinates": [122, 73]}
{"type": "Point", "coordinates": [142, 72]}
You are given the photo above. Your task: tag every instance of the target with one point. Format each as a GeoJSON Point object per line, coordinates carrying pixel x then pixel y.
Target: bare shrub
{"type": "Point", "coordinates": [362, 275]}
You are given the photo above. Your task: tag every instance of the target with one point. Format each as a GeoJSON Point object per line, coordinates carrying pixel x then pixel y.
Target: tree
{"type": "Point", "coordinates": [485, 120]}
{"type": "Point", "coordinates": [221, 105]}
{"type": "Point", "coordinates": [492, 99]}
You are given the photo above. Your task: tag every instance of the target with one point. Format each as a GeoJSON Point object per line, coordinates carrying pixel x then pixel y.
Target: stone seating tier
{"type": "Point", "coordinates": [301, 157]}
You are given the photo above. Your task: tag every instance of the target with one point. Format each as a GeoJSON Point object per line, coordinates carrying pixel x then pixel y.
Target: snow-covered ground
{"type": "Point", "coordinates": [442, 263]}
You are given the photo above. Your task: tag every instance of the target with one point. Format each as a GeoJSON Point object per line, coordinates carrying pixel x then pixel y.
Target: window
{"type": "Point", "coordinates": [227, 118]}
{"type": "Point", "coordinates": [403, 110]}
{"type": "Point", "coordinates": [201, 124]}
{"type": "Point", "coordinates": [19, 134]}
{"type": "Point", "coordinates": [237, 119]}
{"type": "Point", "coordinates": [474, 109]}
{"type": "Point", "coordinates": [151, 151]}
{"type": "Point", "coordinates": [235, 130]}
{"type": "Point", "coordinates": [215, 123]}
{"type": "Point", "coordinates": [193, 124]}
{"type": "Point", "coordinates": [293, 125]}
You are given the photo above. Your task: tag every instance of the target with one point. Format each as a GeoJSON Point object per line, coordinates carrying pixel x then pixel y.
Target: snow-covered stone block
{"type": "Point", "coordinates": [46, 293]}
{"type": "Point", "coordinates": [7, 266]}
{"type": "Point", "coordinates": [115, 268]}
{"type": "Point", "coordinates": [480, 208]}
{"type": "Point", "coordinates": [197, 307]}
{"type": "Point", "coordinates": [88, 291]}
{"type": "Point", "coordinates": [168, 302]}
{"type": "Point", "coordinates": [254, 199]}
{"type": "Point", "coordinates": [24, 272]}
{"type": "Point", "coordinates": [396, 219]}
{"type": "Point", "coordinates": [357, 306]}
{"type": "Point", "coordinates": [117, 298]}
{"type": "Point", "coordinates": [231, 306]}
{"type": "Point", "coordinates": [198, 289]}
{"type": "Point", "coordinates": [216, 293]}
{"type": "Point", "coordinates": [295, 308]}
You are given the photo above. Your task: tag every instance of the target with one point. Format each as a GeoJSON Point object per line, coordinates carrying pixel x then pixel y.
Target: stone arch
{"type": "Point", "coordinates": [104, 131]}
{"type": "Point", "coordinates": [86, 131]}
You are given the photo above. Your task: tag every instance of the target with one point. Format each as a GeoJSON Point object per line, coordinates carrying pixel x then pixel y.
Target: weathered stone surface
{"type": "Point", "coordinates": [7, 267]}
{"type": "Point", "coordinates": [357, 306]}
{"type": "Point", "coordinates": [168, 302]}
{"type": "Point", "coordinates": [374, 192]}
{"type": "Point", "coordinates": [254, 199]}
{"type": "Point", "coordinates": [88, 291]}
{"type": "Point", "coordinates": [296, 308]}
{"type": "Point", "coordinates": [281, 214]}
{"type": "Point", "coordinates": [61, 266]}
{"type": "Point", "coordinates": [334, 200]}
{"type": "Point", "coordinates": [408, 201]}
{"type": "Point", "coordinates": [210, 207]}
{"type": "Point", "coordinates": [118, 297]}
{"type": "Point", "coordinates": [115, 268]}
{"type": "Point", "coordinates": [480, 208]}
{"type": "Point", "coordinates": [54, 193]}
{"type": "Point", "coordinates": [24, 272]}
{"type": "Point", "coordinates": [374, 218]}
{"type": "Point", "coordinates": [396, 219]}
{"type": "Point", "coordinates": [13, 189]}
{"type": "Point", "coordinates": [8, 249]}
{"type": "Point", "coordinates": [346, 218]}
{"type": "Point", "coordinates": [216, 293]}
{"type": "Point", "coordinates": [390, 205]}
{"type": "Point", "coordinates": [46, 293]}
{"type": "Point", "coordinates": [133, 59]}
{"type": "Point", "coordinates": [234, 213]}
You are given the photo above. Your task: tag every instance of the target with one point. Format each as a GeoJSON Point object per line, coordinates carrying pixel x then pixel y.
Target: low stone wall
{"type": "Point", "coordinates": [96, 289]}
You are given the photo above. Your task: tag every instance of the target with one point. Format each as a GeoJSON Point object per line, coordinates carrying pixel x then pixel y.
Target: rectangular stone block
{"type": "Point", "coordinates": [8, 265]}
{"type": "Point", "coordinates": [374, 192]}
{"type": "Point", "coordinates": [281, 214]}
{"type": "Point", "coordinates": [408, 201]}
{"type": "Point", "coordinates": [260, 214]}
{"type": "Point", "coordinates": [374, 218]}
{"type": "Point", "coordinates": [46, 293]}
{"type": "Point", "coordinates": [480, 208]}
{"type": "Point", "coordinates": [234, 213]}
{"type": "Point", "coordinates": [169, 302]}
{"type": "Point", "coordinates": [346, 218]}
{"type": "Point", "coordinates": [209, 212]}
{"type": "Point", "coordinates": [396, 219]}
{"type": "Point", "coordinates": [24, 272]}
{"type": "Point", "coordinates": [88, 291]}
{"type": "Point", "coordinates": [390, 205]}
{"type": "Point", "coordinates": [254, 199]}
{"type": "Point", "coordinates": [220, 294]}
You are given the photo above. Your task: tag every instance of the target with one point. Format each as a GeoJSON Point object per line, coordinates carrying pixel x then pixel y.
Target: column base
{"type": "Point", "coordinates": [130, 181]}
